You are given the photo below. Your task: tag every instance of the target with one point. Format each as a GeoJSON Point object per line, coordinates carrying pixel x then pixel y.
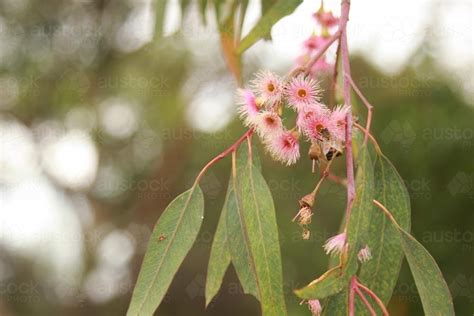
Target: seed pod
{"type": "Point", "coordinates": [307, 200]}
{"type": "Point", "coordinates": [315, 152]}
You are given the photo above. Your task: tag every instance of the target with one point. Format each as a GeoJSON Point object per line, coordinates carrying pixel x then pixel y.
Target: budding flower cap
{"type": "Point", "coordinates": [315, 307]}
{"type": "Point", "coordinates": [268, 86]}
{"type": "Point", "coordinates": [364, 254]}
{"type": "Point", "coordinates": [284, 147]}
{"type": "Point", "coordinates": [335, 245]}
{"type": "Point", "coordinates": [302, 91]}
{"type": "Point", "coordinates": [314, 42]}
{"type": "Point", "coordinates": [247, 106]}
{"type": "Point", "coordinates": [326, 18]}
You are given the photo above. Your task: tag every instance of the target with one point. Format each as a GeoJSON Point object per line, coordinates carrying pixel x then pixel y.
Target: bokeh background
{"type": "Point", "coordinates": [108, 110]}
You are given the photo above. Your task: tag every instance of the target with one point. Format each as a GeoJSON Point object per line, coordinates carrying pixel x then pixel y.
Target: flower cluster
{"type": "Point", "coordinates": [311, 46]}
{"type": "Point", "coordinates": [261, 106]}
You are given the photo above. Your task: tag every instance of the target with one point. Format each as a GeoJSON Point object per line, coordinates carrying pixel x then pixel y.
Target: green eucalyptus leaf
{"type": "Point", "coordinates": [239, 247]}
{"type": "Point", "coordinates": [266, 5]}
{"type": "Point", "coordinates": [220, 258]}
{"type": "Point", "coordinates": [326, 285]}
{"type": "Point", "coordinates": [432, 287]}
{"type": "Point", "coordinates": [171, 240]}
{"type": "Point", "coordinates": [434, 292]}
{"type": "Point", "coordinates": [260, 221]}
{"type": "Point", "coordinates": [253, 236]}
{"type": "Point", "coordinates": [263, 27]}
{"type": "Point", "coordinates": [381, 273]}
{"type": "Point", "coordinates": [362, 207]}
{"type": "Point", "coordinates": [337, 305]}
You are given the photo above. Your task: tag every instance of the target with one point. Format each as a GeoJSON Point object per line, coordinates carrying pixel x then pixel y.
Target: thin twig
{"type": "Point", "coordinates": [222, 155]}
{"type": "Point", "coordinates": [324, 175]}
{"type": "Point", "coordinates": [336, 179]}
{"type": "Point", "coordinates": [372, 138]}
{"type": "Point", "coordinates": [323, 49]}
{"type": "Point", "coordinates": [367, 104]}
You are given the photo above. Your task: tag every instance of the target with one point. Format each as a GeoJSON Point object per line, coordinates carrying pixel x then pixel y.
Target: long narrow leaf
{"type": "Point", "coordinates": [255, 238]}
{"type": "Point", "coordinates": [171, 240]}
{"type": "Point", "coordinates": [260, 221]}
{"type": "Point", "coordinates": [381, 273]}
{"type": "Point", "coordinates": [434, 292]}
{"type": "Point", "coordinates": [239, 245]}
{"type": "Point", "coordinates": [219, 258]}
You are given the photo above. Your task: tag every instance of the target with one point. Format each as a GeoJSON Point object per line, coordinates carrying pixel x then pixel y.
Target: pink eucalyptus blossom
{"type": "Point", "coordinates": [248, 107]}
{"type": "Point", "coordinates": [284, 147]}
{"type": "Point", "coordinates": [317, 126]}
{"type": "Point", "coordinates": [301, 92]}
{"type": "Point", "coordinates": [268, 86]}
{"type": "Point", "coordinates": [306, 114]}
{"type": "Point", "coordinates": [335, 245]}
{"type": "Point", "coordinates": [315, 307]}
{"type": "Point", "coordinates": [268, 124]}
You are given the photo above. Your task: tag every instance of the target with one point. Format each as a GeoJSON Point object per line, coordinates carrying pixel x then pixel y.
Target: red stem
{"type": "Point", "coordinates": [352, 288]}
{"type": "Point", "coordinates": [374, 296]}
{"type": "Point", "coordinates": [345, 7]}
{"type": "Point", "coordinates": [366, 302]}
{"type": "Point", "coordinates": [332, 96]}
{"type": "Point", "coordinates": [222, 155]}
